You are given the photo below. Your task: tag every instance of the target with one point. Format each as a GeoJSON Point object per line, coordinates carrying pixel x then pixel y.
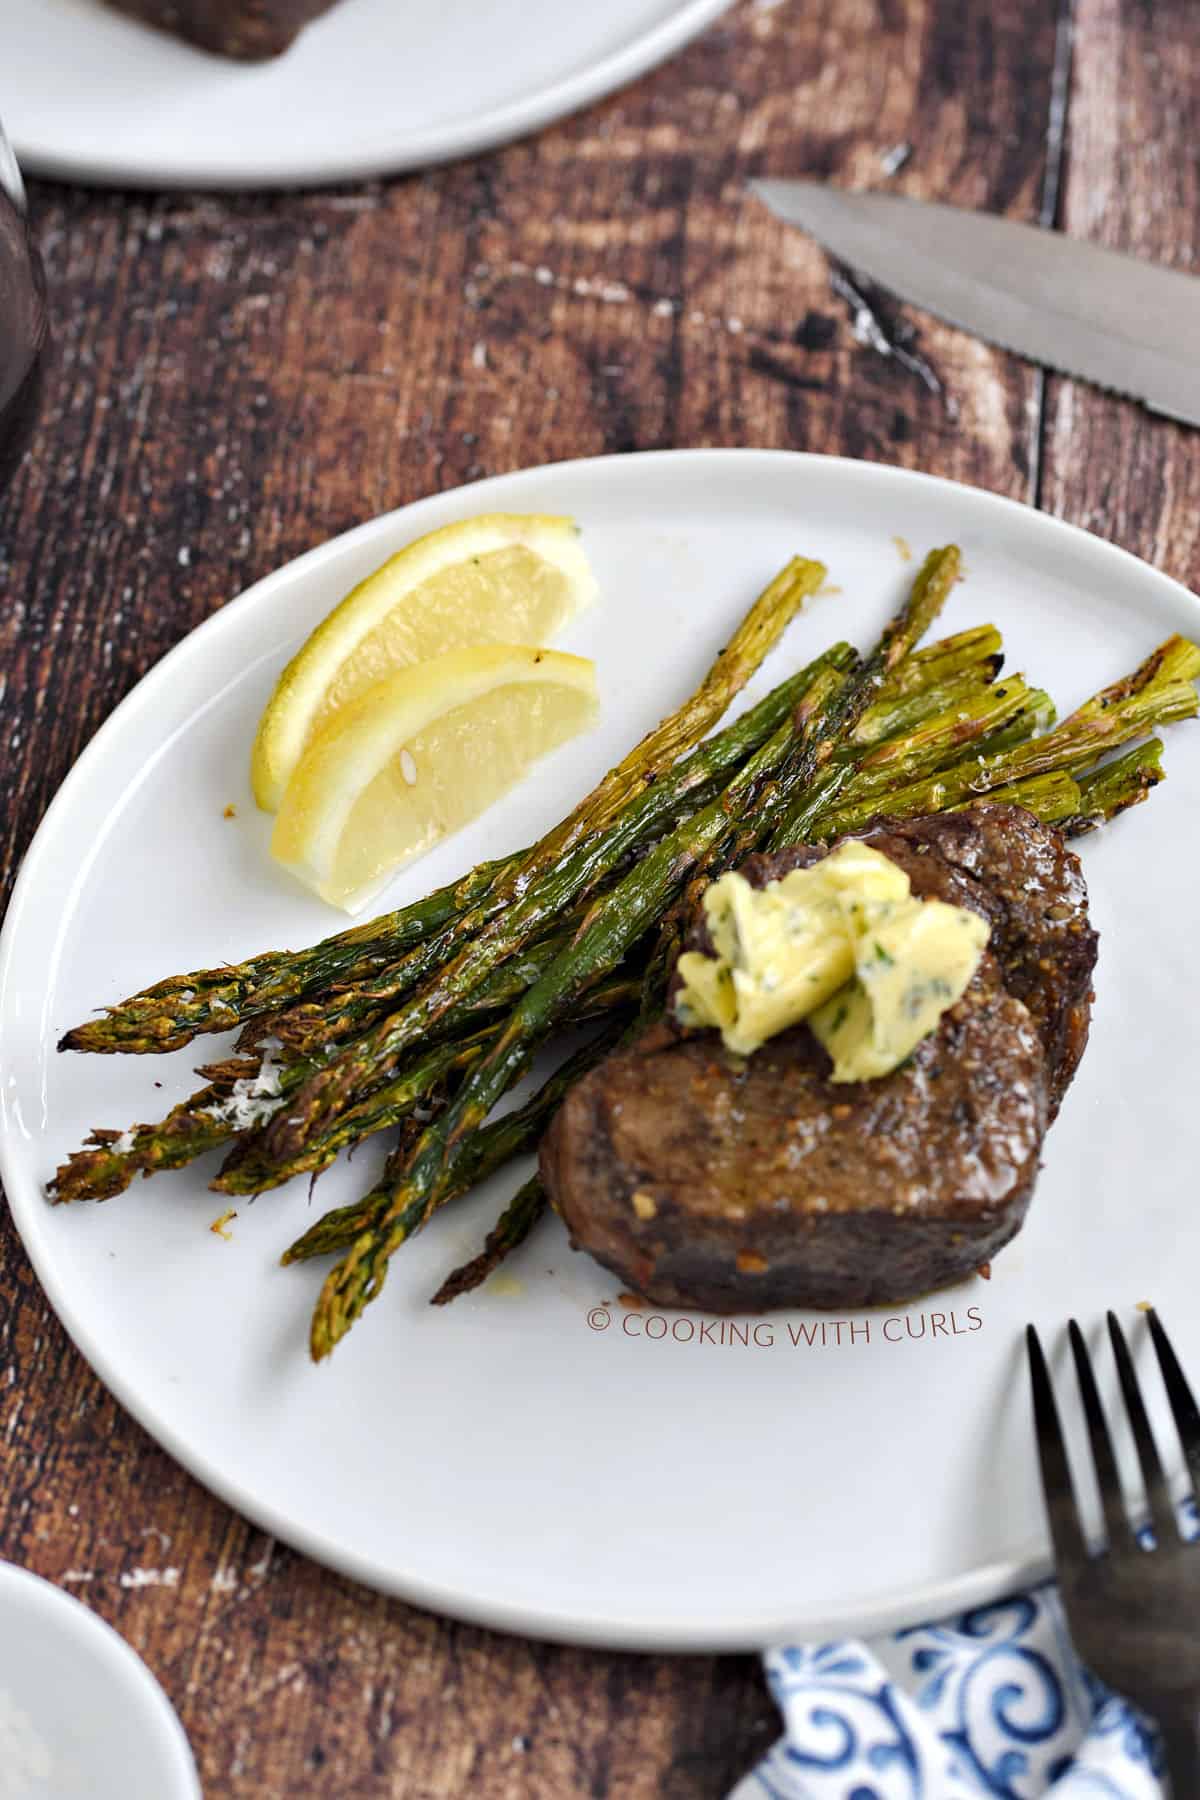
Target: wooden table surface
{"type": "Point", "coordinates": [238, 378]}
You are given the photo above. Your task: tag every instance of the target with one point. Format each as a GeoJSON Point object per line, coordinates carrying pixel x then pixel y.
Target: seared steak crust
{"type": "Point", "coordinates": [704, 1180]}
{"type": "Point", "coordinates": [1030, 887]}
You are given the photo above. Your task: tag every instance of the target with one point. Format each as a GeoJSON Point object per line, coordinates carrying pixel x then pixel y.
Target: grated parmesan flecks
{"type": "Point", "coordinates": [254, 1098]}
{"type": "Point", "coordinates": [266, 1082]}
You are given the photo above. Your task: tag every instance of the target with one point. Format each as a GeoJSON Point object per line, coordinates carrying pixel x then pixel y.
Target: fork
{"type": "Point", "coordinates": [1133, 1612]}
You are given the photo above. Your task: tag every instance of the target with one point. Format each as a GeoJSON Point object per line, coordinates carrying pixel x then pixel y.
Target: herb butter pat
{"type": "Point", "coordinates": [844, 945]}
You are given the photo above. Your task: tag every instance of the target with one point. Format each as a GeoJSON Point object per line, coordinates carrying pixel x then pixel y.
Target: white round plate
{"type": "Point", "coordinates": [535, 1456]}
{"type": "Point", "coordinates": [81, 1716]}
{"type": "Point", "coordinates": [374, 87]}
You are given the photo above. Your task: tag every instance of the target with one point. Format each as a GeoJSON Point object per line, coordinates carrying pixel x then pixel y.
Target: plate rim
{"type": "Point", "coordinates": [398, 155]}
{"type": "Point", "coordinates": [965, 1588]}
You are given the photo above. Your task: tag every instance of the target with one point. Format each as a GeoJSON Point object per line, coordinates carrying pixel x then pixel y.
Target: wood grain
{"type": "Point", "coordinates": [238, 378]}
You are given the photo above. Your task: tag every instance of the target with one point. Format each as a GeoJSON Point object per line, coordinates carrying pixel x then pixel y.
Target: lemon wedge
{"type": "Point", "coordinates": [501, 578]}
{"type": "Point", "coordinates": [418, 755]}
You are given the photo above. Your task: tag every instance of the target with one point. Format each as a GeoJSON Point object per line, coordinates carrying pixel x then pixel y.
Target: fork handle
{"type": "Point", "coordinates": [1181, 1743]}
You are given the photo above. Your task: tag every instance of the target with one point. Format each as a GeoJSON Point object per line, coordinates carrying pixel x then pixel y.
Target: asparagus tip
{"type": "Point", "coordinates": [89, 1036]}
{"type": "Point", "coordinates": [464, 1280]}
{"type": "Point", "coordinates": [347, 1290]}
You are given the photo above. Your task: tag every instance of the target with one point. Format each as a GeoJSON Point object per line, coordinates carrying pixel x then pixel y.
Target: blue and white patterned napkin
{"type": "Point", "coordinates": [991, 1703]}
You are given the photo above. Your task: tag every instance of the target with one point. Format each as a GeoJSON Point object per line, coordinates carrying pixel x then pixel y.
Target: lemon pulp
{"type": "Point", "coordinates": [501, 578]}
{"type": "Point", "coordinates": [420, 754]}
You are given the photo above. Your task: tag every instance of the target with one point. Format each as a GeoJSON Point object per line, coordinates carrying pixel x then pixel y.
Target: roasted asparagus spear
{"type": "Point", "coordinates": [173, 1011]}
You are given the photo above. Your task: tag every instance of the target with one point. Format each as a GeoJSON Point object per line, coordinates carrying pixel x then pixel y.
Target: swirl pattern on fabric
{"type": "Point", "coordinates": [991, 1703]}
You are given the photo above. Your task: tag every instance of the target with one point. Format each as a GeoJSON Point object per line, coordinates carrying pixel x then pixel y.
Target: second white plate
{"type": "Point", "coordinates": [375, 87]}
{"type": "Point", "coordinates": [535, 1456]}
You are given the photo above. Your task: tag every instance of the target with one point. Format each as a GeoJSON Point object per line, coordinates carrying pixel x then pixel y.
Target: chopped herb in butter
{"type": "Point", "coordinates": [843, 944]}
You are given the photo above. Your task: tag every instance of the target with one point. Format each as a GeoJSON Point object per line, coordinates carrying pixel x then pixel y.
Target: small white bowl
{"type": "Point", "coordinates": [81, 1716]}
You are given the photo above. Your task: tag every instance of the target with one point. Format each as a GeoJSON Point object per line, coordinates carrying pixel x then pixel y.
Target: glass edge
{"type": "Point", "coordinates": [10, 174]}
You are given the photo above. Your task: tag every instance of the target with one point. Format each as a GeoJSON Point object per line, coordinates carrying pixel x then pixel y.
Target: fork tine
{"type": "Point", "coordinates": [1066, 1532]}
{"type": "Point", "coordinates": [1120, 1533]}
{"type": "Point", "coordinates": [1183, 1403]}
{"type": "Point", "coordinates": [1162, 1513]}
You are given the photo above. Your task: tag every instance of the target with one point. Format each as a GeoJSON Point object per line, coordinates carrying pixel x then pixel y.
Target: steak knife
{"type": "Point", "coordinates": [1110, 319]}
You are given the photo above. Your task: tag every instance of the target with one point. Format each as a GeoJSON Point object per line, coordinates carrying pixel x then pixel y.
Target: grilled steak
{"type": "Point", "coordinates": [248, 29]}
{"type": "Point", "coordinates": [1030, 887]}
{"type": "Point", "coordinates": [704, 1180]}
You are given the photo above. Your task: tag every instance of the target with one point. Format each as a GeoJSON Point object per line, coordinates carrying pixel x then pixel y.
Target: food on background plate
{"type": "Point", "coordinates": [418, 755]}
{"type": "Point", "coordinates": [421, 1021]}
{"type": "Point", "coordinates": [740, 1182]}
{"type": "Point", "coordinates": [250, 30]}
{"type": "Point", "coordinates": [499, 578]}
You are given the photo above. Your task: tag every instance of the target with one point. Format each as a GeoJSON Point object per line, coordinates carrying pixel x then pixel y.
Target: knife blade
{"type": "Point", "coordinates": [1111, 319]}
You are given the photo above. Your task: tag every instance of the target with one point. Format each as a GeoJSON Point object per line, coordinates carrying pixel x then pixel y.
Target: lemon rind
{"type": "Point", "coordinates": [286, 723]}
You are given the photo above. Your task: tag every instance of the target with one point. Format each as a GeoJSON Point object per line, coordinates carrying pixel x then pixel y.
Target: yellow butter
{"type": "Point", "coordinates": [843, 944]}
{"type": "Point", "coordinates": [909, 968]}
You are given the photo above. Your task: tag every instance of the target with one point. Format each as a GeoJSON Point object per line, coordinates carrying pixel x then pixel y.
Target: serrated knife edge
{"type": "Point", "coordinates": [1124, 324]}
